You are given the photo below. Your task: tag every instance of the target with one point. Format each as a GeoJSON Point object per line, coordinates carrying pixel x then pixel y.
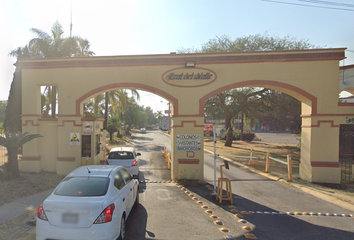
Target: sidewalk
{"type": "Point", "coordinates": [21, 206]}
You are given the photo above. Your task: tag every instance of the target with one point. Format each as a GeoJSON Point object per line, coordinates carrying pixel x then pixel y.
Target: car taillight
{"type": "Point", "coordinates": [134, 163]}
{"type": "Point", "coordinates": [41, 213]}
{"type": "Point", "coordinates": [106, 215]}
{"type": "Point", "coordinates": [107, 162]}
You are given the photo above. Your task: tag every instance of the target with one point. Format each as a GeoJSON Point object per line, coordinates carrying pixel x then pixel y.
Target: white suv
{"type": "Point", "coordinates": [126, 157]}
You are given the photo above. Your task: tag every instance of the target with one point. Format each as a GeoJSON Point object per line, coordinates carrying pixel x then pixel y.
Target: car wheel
{"type": "Point", "coordinates": [122, 229]}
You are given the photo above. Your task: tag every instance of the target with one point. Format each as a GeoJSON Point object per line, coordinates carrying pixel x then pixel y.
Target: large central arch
{"type": "Point", "coordinates": [187, 80]}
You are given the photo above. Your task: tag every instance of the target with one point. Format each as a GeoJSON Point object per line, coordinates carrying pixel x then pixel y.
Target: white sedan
{"type": "Point", "coordinates": [92, 202]}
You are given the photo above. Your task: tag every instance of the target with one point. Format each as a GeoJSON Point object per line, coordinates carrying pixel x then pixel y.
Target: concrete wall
{"type": "Point", "coordinates": [311, 76]}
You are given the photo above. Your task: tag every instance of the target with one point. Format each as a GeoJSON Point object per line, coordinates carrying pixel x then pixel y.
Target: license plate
{"type": "Point", "coordinates": [70, 218]}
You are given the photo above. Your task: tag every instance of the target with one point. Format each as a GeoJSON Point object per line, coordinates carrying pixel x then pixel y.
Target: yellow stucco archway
{"type": "Point", "coordinates": [187, 80]}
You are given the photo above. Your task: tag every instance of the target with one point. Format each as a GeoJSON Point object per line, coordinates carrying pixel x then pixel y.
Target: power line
{"type": "Point", "coordinates": [306, 5]}
{"type": "Point", "coordinates": [329, 3]}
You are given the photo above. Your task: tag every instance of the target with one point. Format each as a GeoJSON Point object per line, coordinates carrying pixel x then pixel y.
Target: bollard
{"type": "Point", "coordinates": [290, 169]}
{"type": "Point", "coordinates": [267, 162]}
{"type": "Point", "coordinates": [87, 160]}
{"type": "Point", "coordinates": [251, 161]}
{"type": "Point", "coordinates": [168, 161]}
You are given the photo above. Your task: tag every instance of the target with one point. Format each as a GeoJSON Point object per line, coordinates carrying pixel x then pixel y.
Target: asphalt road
{"type": "Point", "coordinates": [251, 192]}
{"type": "Point", "coordinates": [168, 212]}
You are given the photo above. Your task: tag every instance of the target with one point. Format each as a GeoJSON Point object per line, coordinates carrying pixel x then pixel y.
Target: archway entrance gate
{"type": "Point", "coordinates": [186, 80]}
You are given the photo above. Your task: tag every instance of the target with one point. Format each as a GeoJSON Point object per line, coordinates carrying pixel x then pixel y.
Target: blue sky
{"type": "Point", "coordinates": [163, 26]}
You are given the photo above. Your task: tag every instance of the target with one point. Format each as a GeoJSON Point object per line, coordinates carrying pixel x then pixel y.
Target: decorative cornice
{"type": "Point", "coordinates": [30, 158]}
{"type": "Point", "coordinates": [326, 164]}
{"type": "Point", "coordinates": [180, 59]}
{"type": "Point", "coordinates": [188, 161]}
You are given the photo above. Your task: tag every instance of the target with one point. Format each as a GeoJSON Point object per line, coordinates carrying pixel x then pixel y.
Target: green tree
{"type": "Point", "coordinates": [258, 42]}
{"type": "Point", "coordinates": [117, 99]}
{"type": "Point", "coordinates": [43, 45]}
{"type": "Point", "coordinates": [113, 126]}
{"type": "Point", "coordinates": [3, 105]}
{"type": "Point", "coordinates": [13, 142]}
{"type": "Point", "coordinates": [151, 116]}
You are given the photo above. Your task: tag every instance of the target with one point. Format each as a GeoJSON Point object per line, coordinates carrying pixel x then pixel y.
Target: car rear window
{"type": "Point", "coordinates": [83, 187]}
{"type": "Point", "coordinates": [121, 155]}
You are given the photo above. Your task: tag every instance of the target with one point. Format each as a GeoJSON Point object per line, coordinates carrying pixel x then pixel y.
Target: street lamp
{"type": "Point", "coordinates": [169, 118]}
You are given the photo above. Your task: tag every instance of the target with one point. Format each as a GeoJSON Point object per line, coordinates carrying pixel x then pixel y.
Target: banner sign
{"type": "Point", "coordinates": [188, 142]}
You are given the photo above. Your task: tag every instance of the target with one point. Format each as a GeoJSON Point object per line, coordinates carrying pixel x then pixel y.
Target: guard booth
{"type": "Point", "coordinates": [91, 141]}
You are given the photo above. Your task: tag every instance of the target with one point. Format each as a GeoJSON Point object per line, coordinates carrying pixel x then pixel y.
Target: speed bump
{"type": "Point", "coordinates": [232, 206]}
{"type": "Point", "coordinates": [298, 213]}
{"type": "Point", "coordinates": [191, 195]}
{"type": "Point", "coordinates": [247, 228]}
{"type": "Point", "coordinates": [204, 206]}
{"type": "Point", "coordinates": [187, 192]}
{"type": "Point", "coordinates": [229, 237]}
{"type": "Point", "coordinates": [250, 236]}
{"type": "Point", "coordinates": [234, 210]}
{"type": "Point", "coordinates": [242, 221]}
{"type": "Point", "coordinates": [199, 202]}
{"type": "Point", "coordinates": [224, 230]}
{"type": "Point", "coordinates": [238, 215]}
{"type": "Point", "coordinates": [218, 222]}
{"type": "Point", "coordinates": [209, 211]}
{"type": "Point", "coordinates": [213, 216]}
{"type": "Point", "coordinates": [194, 198]}
{"type": "Point", "coordinates": [244, 212]}
{"type": "Point", "coordinates": [183, 188]}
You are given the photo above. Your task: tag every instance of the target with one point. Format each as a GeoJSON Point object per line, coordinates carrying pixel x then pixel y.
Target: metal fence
{"type": "Point", "coordinates": [346, 162]}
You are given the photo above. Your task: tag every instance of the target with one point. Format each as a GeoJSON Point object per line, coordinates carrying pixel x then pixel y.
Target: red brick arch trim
{"type": "Point", "coordinates": [188, 161]}
{"type": "Point", "coordinates": [326, 164]}
{"type": "Point", "coordinates": [30, 158]}
{"type": "Point", "coordinates": [30, 123]}
{"type": "Point", "coordinates": [319, 122]}
{"type": "Point", "coordinates": [184, 122]}
{"type": "Point", "coordinates": [128, 85]}
{"type": "Point", "coordinates": [70, 121]}
{"type": "Point", "coordinates": [255, 83]}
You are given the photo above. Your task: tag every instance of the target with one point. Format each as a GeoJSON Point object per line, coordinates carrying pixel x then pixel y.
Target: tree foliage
{"type": "Point", "coordinates": [13, 141]}
{"type": "Point", "coordinates": [43, 45]}
{"type": "Point", "coordinates": [269, 106]}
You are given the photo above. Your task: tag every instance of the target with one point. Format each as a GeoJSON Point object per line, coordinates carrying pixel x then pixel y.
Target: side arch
{"type": "Point", "coordinates": [291, 90]}
{"type": "Point", "coordinates": [138, 86]}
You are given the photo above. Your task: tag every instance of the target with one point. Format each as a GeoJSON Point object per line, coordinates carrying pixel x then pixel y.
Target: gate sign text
{"type": "Point", "coordinates": [188, 143]}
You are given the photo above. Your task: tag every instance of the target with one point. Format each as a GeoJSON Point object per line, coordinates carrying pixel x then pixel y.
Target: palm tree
{"type": "Point", "coordinates": [117, 98]}
{"type": "Point", "coordinates": [14, 141]}
{"type": "Point", "coordinates": [43, 45]}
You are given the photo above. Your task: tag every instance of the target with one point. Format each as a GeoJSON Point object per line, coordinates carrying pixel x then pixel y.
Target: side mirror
{"type": "Point", "coordinates": [138, 154]}
{"type": "Point", "coordinates": [135, 176]}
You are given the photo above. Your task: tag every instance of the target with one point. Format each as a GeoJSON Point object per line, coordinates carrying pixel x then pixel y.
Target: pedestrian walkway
{"type": "Point", "coordinates": [21, 206]}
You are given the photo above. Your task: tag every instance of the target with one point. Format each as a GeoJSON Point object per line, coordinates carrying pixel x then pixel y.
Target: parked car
{"type": "Point", "coordinates": [126, 157]}
{"type": "Point", "coordinates": [142, 130]}
{"type": "Point", "coordinates": [92, 202]}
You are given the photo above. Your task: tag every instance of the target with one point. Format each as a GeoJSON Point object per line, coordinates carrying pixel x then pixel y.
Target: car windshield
{"type": "Point", "coordinates": [121, 155]}
{"type": "Point", "coordinates": [83, 187]}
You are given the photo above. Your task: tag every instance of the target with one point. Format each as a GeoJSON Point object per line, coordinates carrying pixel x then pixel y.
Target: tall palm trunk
{"type": "Point", "coordinates": [54, 101]}
{"type": "Point", "coordinates": [105, 111]}
{"type": "Point", "coordinates": [230, 132]}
